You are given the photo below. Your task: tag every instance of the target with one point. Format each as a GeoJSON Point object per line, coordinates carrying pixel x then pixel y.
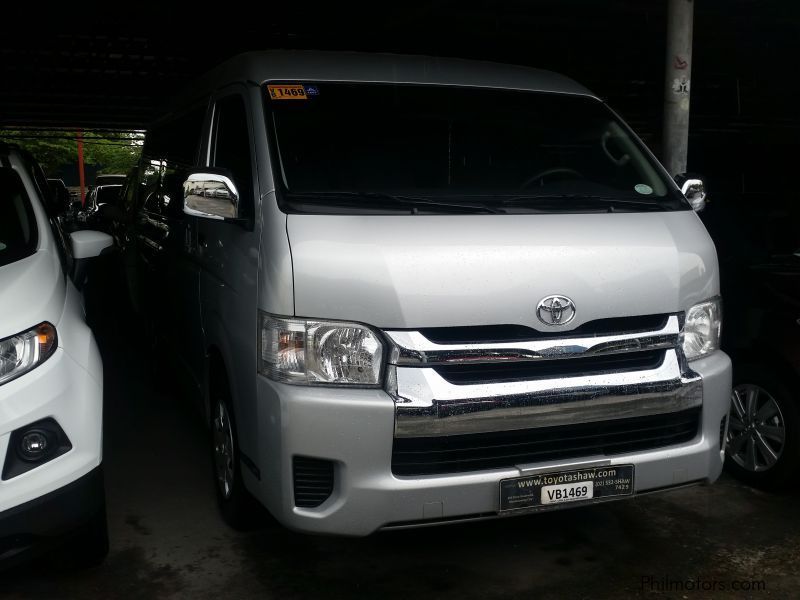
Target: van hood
{"type": "Point", "coordinates": [32, 290]}
{"type": "Point", "coordinates": [414, 271]}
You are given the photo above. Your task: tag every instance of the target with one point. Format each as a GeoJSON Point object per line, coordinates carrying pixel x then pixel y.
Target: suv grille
{"type": "Point", "coordinates": [475, 452]}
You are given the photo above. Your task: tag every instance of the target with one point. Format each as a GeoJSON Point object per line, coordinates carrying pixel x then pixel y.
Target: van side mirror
{"type": "Point", "coordinates": [211, 194]}
{"type": "Point", "coordinates": [693, 189]}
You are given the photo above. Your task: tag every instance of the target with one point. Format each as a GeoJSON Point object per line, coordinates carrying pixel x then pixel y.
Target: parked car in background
{"type": "Point", "coordinates": [102, 195]}
{"type": "Point", "coordinates": [90, 215]}
{"type": "Point", "coordinates": [61, 193]}
{"type": "Point", "coordinates": [758, 242]}
{"type": "Point", "coordinates": [109, 179]}
{"type": "Point", "coordinates": [51, 377]}
{"type": "Point", "coordinates": [411, 291]}
{"type": "Point", "coordinates": [763, 337]}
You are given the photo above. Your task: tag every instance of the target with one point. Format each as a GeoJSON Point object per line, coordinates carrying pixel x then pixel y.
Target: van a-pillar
{"type": "Point", "coordinates": [677, 84]}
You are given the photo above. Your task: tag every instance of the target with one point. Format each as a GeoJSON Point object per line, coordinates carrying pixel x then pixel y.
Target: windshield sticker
{"type": "Point", "coordinates": [288, 92]}
{"type": "Point", "coordinates": [643, 188]}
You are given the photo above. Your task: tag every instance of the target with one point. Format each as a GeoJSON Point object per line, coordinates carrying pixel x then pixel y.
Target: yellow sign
{"type": "Point", "coordinates": [287, 92]}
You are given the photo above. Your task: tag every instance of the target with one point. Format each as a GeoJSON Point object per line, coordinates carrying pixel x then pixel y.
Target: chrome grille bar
{"type": "Point", "coordinates": [428, 405]}
{"type": "Point", "coordinates": [411, 348]}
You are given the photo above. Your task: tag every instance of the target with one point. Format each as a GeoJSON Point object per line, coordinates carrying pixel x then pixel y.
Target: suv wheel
{"type": "Point", "coordinates": [89, 546]}
{"type": "Point", "coordinates": [763, 447]}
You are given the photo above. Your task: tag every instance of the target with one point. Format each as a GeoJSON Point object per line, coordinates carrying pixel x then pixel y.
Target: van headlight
{"type": "Point", "coordinates": [310, 352]}
{"type": "Point", "coordinates": [702, 329]}
{"type": "Point", "coordinates": [22, 352]}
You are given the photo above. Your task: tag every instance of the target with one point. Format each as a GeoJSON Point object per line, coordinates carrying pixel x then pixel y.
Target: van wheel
{"type": "Point", "coordinates": [763, 444]}
{"type": "Point", "coordinates": [237, 505]}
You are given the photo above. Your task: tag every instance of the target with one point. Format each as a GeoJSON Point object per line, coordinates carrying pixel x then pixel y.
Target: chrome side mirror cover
{"type": "Point", "coordinates": [694, 190]}
{"type": "Point", "coordinates": [210, 196]}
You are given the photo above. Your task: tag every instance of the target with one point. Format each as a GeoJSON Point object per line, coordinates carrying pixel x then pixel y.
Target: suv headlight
{"type": "Point", "coordinates": [309, 352]}
{"type": "Point", "coordinates": [22, 352]}
{"type": "Point", "coordinates": [702, 328]}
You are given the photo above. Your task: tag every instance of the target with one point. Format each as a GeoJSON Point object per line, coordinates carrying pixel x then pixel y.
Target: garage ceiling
{"type": "Point", "coordinates": [108, 72]}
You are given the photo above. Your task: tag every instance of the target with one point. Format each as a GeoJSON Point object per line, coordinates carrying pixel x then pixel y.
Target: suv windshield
{"type": "Point", "coordinates": [358, 144]}
{"type": "Point", "coordinates": [17, 222]}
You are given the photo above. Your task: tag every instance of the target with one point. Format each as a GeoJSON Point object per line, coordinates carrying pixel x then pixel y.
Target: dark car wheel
{"type": "Point", "coordinates": [238, 507]}
{"type": "Point", "coordinates": [87, 546]}
{"type": "Point", "coordinates": [763, 445]}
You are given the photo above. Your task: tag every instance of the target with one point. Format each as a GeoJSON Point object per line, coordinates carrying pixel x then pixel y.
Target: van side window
{"type": "Point", "coordinates": [231, 146]}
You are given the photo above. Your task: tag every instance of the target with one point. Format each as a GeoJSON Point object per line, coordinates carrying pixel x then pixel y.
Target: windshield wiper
{"type": "Point", "coordinates": [414, 202]}
{"type": "Point", "coordinates": [609, 201]}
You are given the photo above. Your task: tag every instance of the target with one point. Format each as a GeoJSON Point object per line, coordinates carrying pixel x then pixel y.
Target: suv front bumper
{"type": "Point", "coordinates": [53, 515]}
{"type": "Point", "coordinates": [63, 390]}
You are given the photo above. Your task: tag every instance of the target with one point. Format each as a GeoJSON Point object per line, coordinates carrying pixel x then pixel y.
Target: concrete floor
{"type": "Point", "coordinates": [167, 540]}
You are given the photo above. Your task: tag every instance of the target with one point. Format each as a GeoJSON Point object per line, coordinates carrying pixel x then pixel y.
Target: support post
{"type": "Point", "coordinates": [81, 173]}
{"type": "Point", "coordinates": [677, 84]}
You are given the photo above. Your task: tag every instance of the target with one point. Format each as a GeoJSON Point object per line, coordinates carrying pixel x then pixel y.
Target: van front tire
{"type": "Point", "coordinates": [237, 505]}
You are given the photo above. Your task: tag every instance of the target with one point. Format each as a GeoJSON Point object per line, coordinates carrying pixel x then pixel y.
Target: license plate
{"type": "Point", "coordinates": [561, 487]}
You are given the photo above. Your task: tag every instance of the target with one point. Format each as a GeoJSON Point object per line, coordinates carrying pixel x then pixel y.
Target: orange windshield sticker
{"type": "Point", "coordinates": [287, 92]}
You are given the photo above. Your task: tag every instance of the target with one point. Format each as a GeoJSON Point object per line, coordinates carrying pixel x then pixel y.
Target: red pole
{"type": "Point", "coordinates": [81, 174]}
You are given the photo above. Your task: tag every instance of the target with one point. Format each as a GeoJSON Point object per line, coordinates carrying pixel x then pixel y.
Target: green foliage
{"type": "Point", "coordinates": [113, 152]}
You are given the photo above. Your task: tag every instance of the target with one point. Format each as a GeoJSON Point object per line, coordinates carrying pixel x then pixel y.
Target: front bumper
{"type": "Point", "coordinates": [63, 390]}
{"type": "Point", "coordinates": [53, 515]}
{"type": "Point", "coordinates": [355, 429]}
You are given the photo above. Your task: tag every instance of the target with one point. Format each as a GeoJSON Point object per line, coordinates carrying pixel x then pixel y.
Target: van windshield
{"type": "Point", "coordinates": [361, 144]}
{"type": "Point", "coordinates": [17, 223]}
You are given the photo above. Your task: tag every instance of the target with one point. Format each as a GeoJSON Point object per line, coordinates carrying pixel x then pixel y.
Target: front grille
{"type": "Point", "coordinates": [313, 481]}
{"type": "Point", "coordinates": [489, 334]}
{"type": "Point", "coordinates": [467, 374]}
{"type": "Point", "coordinates": [475, 452]}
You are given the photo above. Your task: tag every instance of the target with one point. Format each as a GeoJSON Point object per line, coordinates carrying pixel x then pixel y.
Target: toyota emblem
{"type": "Point", "coordinates": [555, 310]}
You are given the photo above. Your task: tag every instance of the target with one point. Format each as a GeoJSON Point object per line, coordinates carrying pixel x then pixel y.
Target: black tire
{"type": "Point", "coordinates": [238, 507]}
{"type": "Point", "coordinates": [781, 475]}
{"type": "Point", "coordinates": [89, 545]}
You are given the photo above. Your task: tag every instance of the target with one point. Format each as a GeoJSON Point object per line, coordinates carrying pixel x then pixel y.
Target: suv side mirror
{"type": "Point", "coordinates": [693, 189]}
{"type": "Point", "coordinates": [87, 244]}
{"type": "Point", "coordinates": [211, 194]}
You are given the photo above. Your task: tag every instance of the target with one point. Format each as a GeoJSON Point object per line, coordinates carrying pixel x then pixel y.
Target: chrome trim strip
{"type": "Point", "coordinates": [413, 348]}
{"type": "Point", "coordinates": [427, 405]}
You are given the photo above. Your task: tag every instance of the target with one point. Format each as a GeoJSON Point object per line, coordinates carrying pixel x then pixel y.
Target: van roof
{"type": "Point", "coordinates": [303, 65]}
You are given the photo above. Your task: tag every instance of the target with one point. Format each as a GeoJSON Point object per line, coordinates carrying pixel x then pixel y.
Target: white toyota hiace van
{"type": "Point", "coordinates": [413, 290]}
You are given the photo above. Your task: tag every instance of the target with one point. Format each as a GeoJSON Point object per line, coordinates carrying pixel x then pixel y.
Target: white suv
{"type": "Point", "coordinates": [51, 376]}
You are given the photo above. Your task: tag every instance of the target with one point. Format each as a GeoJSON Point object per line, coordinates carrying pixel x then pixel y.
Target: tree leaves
{"type": "Point", "coordinates": [113, 152]}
